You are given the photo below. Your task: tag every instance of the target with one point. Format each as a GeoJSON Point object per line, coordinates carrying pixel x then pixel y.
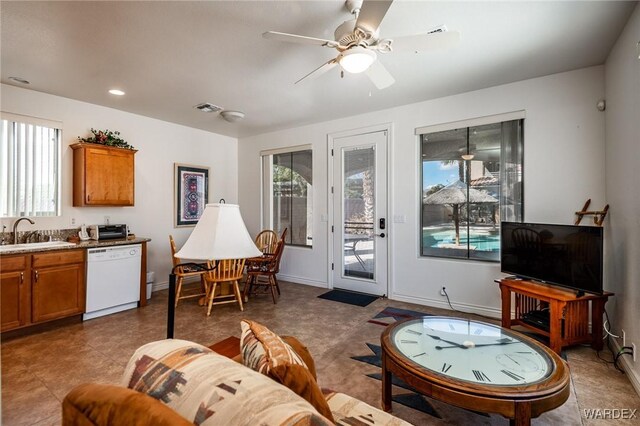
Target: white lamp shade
{"type": "Point", "coordinates": [220, 234]}
{"type": "Point", "coordinates": [357, 59]}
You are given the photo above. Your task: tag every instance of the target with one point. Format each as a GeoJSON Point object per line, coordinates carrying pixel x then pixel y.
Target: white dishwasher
{"type": "Point", "coordinates": [113, 279]}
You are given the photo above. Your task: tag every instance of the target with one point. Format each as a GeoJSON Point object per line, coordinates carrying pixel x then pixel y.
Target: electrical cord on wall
{"type": "Point", "coordinates": [444, 291]}
{"type": "Point", "coordinates": [625, 350]}
{"type": "Point", "coordinates": [607, 322]}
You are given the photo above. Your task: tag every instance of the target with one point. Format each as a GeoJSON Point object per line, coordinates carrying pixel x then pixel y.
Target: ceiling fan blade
{"type": "Point", "coordinates": [371, 14]}
{"type": "Point", "coordinates": [425, 42]}
{"type": "Point", "coordinates": [320, 70]}
{"type": "Point", "coordinates": [380, 76]}
{"type": "Point", "coordinates": [294, 38]}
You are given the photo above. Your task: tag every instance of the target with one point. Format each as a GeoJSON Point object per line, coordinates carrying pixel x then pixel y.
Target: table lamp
{"type": "Point", "coordinates": [219, 234]}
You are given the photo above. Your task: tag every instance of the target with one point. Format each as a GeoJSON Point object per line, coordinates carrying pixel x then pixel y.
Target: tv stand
{"type": "Point", "coordinates": [568, 312]}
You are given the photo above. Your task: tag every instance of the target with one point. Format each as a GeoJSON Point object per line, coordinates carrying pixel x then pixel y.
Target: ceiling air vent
{"type": "Point", "coordinates": [207, 107]}
{"type": "Point", "coordinates": [440, 29]}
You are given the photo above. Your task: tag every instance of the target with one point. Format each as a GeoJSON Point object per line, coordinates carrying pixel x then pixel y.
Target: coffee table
{"type": "Point", "coordinates": [474, 365]}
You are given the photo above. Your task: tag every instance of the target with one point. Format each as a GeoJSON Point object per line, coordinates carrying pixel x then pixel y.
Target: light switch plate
{"type": "Point", "coordinates": [399, 218]}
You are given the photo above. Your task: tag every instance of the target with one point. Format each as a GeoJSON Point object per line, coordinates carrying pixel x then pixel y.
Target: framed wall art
{"type": "Point", "coordinates": [191, 193]}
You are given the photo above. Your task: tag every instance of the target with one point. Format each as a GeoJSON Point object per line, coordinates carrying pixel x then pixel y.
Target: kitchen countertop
{"type": "Point", "coordinates": [25, 249]}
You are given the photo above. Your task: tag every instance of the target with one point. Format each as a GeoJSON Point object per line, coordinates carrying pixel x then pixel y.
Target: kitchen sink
{"type": "Point", "coordinates": [35, 246]}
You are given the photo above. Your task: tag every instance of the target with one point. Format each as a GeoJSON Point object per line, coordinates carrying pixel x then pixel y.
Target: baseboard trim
{"type": "Point", "coordinates": [300, 280]}
{"type": "Point", "coordinates": [464, 307]}
{"type": "Point", "coordinates": [627, 363]}
{"type": "Point", "coordinates": [290, 278]}
{"type": "Point", "coordinates": [165, 284]}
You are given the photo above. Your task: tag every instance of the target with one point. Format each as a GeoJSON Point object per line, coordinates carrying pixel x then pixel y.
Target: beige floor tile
{"type": "Point", "coordinates": [38, 370]}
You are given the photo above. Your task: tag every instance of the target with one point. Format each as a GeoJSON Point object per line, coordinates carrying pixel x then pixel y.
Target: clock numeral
{"type": "Point", "coordinates": [414, 332]}
{"type": "Point", "coordinates": [416, 356]}
{"type": "Point", "coordinates": [480, 376]}
{"type": "Point", "coordinates": [452, 327]}
{"type": "Point", "coordinates": [408, 341]}
{"type": "Point", "coordinates": [478, 331]}
{"type": "Point", "coordinates": [445, 367]}
{"type": "Point", "coordinates": [513, 375]}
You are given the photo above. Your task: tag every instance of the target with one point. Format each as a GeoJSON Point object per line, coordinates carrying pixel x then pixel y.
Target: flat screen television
{"type": "Point", "coordinates": [563, 255]}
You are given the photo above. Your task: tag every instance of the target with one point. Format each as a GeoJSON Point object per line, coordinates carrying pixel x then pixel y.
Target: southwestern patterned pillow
{"type": "Point", "coordinates": [210, 389]}
{"type": "Point", "coordinates": [264, 351]}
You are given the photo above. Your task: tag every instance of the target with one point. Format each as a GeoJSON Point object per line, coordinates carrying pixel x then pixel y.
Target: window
{"type": "Point", "coordinates": [29, 167]}
{"type": "Point", "coordinates": [471, 180]}
{"type": "Point", "coordinates": [288, 194]}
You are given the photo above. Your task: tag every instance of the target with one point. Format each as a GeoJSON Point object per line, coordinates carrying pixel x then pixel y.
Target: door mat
{"type": "Point", "coordinates": [348, 297]}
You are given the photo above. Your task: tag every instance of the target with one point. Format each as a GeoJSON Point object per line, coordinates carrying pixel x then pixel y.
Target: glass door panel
{"type": "Point", "coordinates": [358, 201]}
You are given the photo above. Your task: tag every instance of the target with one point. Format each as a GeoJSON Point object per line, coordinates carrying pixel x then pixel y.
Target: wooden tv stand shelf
{"type": "Point", "coordinates": [568, 313]}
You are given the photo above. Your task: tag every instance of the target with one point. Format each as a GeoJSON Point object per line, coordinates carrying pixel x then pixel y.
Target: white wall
{"type": "Point", "coordinates": [622, 83]}
{"type": "Point", "coordinates": [564, 165]}
{"type": "Point", "coordinates": [159, 145]}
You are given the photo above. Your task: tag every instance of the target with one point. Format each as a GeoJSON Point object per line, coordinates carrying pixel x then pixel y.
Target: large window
{"type": "Point", "coordinates": [288, 194]}
{"type": "Point", "coordinates": [29, 167]}
{"type": "Point", "coordinates": [471, 180]}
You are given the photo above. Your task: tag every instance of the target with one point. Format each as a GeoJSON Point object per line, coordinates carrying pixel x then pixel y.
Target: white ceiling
{"type": "Point", "coordinates": [170, 56]}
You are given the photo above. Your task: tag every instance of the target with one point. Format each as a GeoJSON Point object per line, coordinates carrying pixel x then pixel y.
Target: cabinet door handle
{"type": "Point", "coordinates": [21, 277]}
{"type": "Point", "coordinates": [36, 276]}
{"type": "Point", "coordinates": [88, 198]}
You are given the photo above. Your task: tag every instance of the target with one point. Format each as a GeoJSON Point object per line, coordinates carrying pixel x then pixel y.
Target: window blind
{"type": "Point", "coordinates": [29, 168]}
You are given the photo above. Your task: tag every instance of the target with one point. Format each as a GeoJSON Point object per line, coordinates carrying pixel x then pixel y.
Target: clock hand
{"type": "Point", "coordinates": [447, 347]}
{"type": "Point", "coordinates": [458, 345]}
{"type": "Point", "coordinates": [474, 346]}
{"type": "Point", "coordinates": [497, 344]}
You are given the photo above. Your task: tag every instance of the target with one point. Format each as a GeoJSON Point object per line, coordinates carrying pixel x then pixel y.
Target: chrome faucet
{"type": "Point", "coordinates": [15, 227]}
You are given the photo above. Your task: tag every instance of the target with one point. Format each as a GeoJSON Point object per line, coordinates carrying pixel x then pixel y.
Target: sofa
{"type": "Point", "coordinates": [177, 382]}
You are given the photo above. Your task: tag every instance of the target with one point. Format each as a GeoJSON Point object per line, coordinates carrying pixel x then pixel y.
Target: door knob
{"type": "Point", "coordinates": [381, 235]}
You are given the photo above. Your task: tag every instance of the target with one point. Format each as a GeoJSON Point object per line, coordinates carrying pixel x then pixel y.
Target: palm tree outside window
{"type": "Point", "coordinates": [471, 180]}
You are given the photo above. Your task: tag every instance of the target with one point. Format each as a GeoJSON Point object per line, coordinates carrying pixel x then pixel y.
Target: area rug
{"type": "Point", "coordinates": [351, 298]}
{"type": "Point", "coordinates": [352, 366]}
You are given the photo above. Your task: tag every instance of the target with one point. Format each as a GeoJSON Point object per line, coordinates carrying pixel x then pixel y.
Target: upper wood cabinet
{"type": "Point", "coordinates": [102, 175]}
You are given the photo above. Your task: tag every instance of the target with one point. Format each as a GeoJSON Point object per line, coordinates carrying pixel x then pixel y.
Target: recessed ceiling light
{"type": "Point", "coordinates": [116, 92]}
{"type": "Point", "coordinates": [232, 116]}
{"type": "Point", "coordinates": [19, 80]}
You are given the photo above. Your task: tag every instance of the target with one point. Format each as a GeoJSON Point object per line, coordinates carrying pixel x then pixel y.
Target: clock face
{"type": "Point", "coordinates": [472, 351]}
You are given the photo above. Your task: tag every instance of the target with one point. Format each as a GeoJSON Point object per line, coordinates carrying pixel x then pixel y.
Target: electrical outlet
{"type": "Point", "coordinates": [73, 220]}
{"type": "Point", "coordinates": [624, 338]}
{"type": "Point", "coordinates": [107, 220]}
{"type": "Point", "coordinates": [633, 345]}
{"type": "Point", "coordinates": [443, 291]}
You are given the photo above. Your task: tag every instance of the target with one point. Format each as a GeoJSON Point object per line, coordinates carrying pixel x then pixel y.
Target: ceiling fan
{"type": "Point", "coordinates": [357, 41]}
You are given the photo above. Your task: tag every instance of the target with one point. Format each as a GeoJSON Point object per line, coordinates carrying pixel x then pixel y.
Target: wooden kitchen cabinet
{"type": "Point", "coordinates": [42, 287]}
{"type": "Point", "coordinates": [15, 292]}
{"type": "Point", "coordinates": [58, 285]}
{"type": "Point", "coordinates": [103, 175]}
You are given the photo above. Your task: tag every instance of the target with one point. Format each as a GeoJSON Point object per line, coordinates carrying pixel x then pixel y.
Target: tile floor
{"type": "Point", "coordinates": [39, 370]}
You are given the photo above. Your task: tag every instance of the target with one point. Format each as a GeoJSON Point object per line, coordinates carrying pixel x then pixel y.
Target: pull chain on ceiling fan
{"type": "Point", "coordinates": [357, 41]}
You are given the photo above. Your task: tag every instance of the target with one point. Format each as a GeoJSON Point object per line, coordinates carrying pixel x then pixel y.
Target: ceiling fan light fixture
{"type": "Point", "coordinates": [232, 116]}
{"type": "Point", "coordinates": [357, 59]}
{"type": "Point", "coordinates": [467, 157]}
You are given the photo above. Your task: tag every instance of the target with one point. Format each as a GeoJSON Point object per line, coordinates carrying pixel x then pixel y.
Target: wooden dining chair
{"type": "Point", "coordinates": [183, 272]}
{"type": "Point", "coordinates": [266, 241]}
{"type": "Point", "coordinates": [228, 271]}
{"type": "Point", "coordinates": [263, 274]}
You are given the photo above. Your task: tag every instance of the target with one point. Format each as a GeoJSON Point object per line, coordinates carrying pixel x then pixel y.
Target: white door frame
{"type": "Point", "coordinates": [388, 127]}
